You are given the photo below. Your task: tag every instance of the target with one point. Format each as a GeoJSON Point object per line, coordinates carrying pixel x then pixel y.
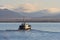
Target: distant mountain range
{"type": "Point", "coordinates": [40, 14]}
{"type": "Point", "coordinates": [5, 13]}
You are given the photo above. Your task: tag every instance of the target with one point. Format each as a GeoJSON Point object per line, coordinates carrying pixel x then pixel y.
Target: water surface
{"type": "Point", "coordinates": [40, 31]}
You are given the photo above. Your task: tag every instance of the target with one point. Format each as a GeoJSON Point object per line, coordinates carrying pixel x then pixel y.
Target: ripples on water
{"type": "Point", "coordinates": [29, 35]}
{"type": "Point", "coordinates": [34, 34]}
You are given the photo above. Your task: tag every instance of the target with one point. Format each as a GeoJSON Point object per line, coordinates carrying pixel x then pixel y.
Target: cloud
{"type": "Point", "coordinates": [51, 10]}
{"type": "Point", "coordinates": [54, 10]}
{"type": "Point", "coordinates": [7, 6]}
{"type": "Point", "coordinates": [28, 7]}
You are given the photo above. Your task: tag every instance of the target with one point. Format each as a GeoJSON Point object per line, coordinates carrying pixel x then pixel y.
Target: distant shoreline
{"type": "Point", "coordinates": [30, 20]}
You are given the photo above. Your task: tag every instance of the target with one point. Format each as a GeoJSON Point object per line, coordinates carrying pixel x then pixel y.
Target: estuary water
{"type": "Point", "coordinates": [40, 31]}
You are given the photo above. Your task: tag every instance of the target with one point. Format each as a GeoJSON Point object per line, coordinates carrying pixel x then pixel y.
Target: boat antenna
{"type": "Point", "coordinates": [24, 20]}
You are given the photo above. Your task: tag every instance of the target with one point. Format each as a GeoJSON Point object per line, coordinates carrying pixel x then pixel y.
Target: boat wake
{"type": "Point", "coordinates": [35, 30]}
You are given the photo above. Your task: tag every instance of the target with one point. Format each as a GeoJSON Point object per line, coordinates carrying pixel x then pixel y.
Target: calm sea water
{"type": "Point", "coordinates": [40, 31]}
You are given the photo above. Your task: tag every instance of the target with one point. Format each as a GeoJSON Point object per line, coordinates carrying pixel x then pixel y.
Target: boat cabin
{"type": "Point", "coordinates": [24, 27]}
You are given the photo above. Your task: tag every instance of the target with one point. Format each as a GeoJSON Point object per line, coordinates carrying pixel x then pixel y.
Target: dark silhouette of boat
{"type": "Point", "coordinates": [24, 26]}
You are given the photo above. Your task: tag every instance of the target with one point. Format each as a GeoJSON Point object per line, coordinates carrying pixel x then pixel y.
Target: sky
{"type": "Point", "coordinates": [32, 4]}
